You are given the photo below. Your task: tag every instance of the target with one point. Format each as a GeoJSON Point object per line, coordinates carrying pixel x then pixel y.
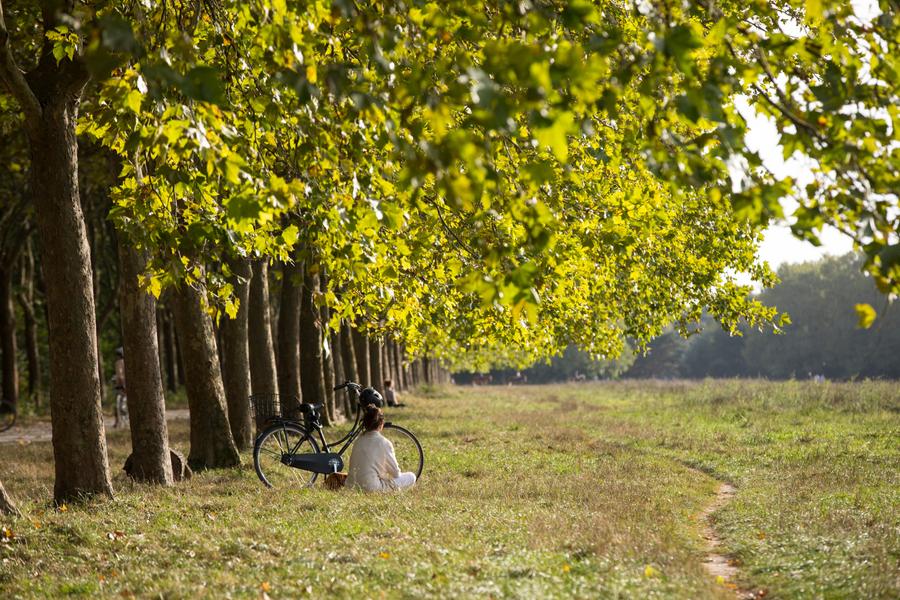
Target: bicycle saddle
{"type": "Point", "coordinates": [311, 408]}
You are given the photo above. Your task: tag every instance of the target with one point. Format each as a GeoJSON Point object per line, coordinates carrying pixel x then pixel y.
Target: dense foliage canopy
{"type": "Point", "coordinates": [479, 178]}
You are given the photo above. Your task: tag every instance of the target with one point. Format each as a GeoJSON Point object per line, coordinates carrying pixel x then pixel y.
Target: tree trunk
{"type": "Point", "coordinates": [8, 337]}
{"type": "Point", "coordinates": [79, 438]}
{"type": "Point", "coordinates": [289, 337]}
{"type": "Point", "coordinates": [348, 354]}
{"type": "Point", "coordinates": [312, 381]}
{"type": "Point", "coordinates": [211, 443]}
{"type": "Point", "coordinates": [361, 345]}
{"type": "Point", "coordinates": [398, 366]}
{"type": "Point", "coordinates": [328, 365]}
{"type": "Point", "coordinates": [376, 373]}
{"type": "Point", "coordinates": [263, 374]}
{"type": "Point", "coordinates": [150, 457]}
{"type": "Point", "coordinates": [342, 398]}
{"type": "Point", "coordinates": [7, 507]}
{"type": "Point", "coordinates": [236, 359]}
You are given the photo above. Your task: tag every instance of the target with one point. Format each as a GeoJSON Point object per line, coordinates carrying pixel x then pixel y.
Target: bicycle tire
{"type": "Point", "coordinates": [269, 447]}
{"type": "Point", "coordinates": [8, 415]}
{"type": "Point", "coordinates": [407, 448]}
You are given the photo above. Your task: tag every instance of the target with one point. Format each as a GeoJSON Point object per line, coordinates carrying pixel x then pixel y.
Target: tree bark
{"type": "Point", "coordinates": [342, 398]}
{"type": "Point", "coordinates": [376, 375]}
{"type": "Point", "coordinates": [168, 327]}
{"type": "Point", "coordinates": [312, 381]}
{"type": "Point", "coordinates": [263, 373]}
{"type": "Point", "coordinates": [10, 387]}
{"type": "Point", "coordinates": [7, 506]}
{"type": "Point", "coordinates": [236, 359]}
{"type": "Point", "coordinates": [151, 461]}
{"type": "Point", "coordinates": [328, 366]}
{"type": "Point", "coordinates": [361, 345]}
{"type": "Point", "coordinates": [289, 337]}
{"type": "Point", "coordinates": [211, 443]}
{"type": "Point", "coordinates": [348, 354]}
{"type": "Point", "coordinates": [79, 438]}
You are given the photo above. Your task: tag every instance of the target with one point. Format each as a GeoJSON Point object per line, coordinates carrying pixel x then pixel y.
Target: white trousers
{"type": "Point", "coordinates": [404, 481]}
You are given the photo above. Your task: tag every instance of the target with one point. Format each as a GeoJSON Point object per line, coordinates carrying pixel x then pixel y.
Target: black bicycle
{"type": "Point", "coordinates": [8, 414]}
{"type": "Point", "coordinates": [287, 454]}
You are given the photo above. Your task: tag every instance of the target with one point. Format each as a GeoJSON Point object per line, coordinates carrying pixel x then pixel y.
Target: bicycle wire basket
{"type": "Point", "coordinates": [264, 407]}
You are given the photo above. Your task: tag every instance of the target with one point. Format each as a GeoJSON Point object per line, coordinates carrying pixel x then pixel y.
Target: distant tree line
{"type": "Point", "coordinates": [823, 338]}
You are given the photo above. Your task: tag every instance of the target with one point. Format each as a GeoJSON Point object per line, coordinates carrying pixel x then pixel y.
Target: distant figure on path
{"type": "Point", "coordinates": [119, 385]}
{"type": "Point", "coordinates": [373, 465]}
{"type": "Point", "coordinates": [390, 396]}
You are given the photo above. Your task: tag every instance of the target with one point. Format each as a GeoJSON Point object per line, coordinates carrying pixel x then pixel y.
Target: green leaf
{"type": "Point", "coordinates": [866, 315]}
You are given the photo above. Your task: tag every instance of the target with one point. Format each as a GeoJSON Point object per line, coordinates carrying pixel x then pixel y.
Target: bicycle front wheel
{"type": "Point", "coordinates": [271, 445]}
{"type": "Point", "coordinates": [407, 448]}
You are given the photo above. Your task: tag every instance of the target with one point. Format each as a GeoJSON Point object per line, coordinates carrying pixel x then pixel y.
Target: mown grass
{"type": "Point", "coordinates": [557, 491]}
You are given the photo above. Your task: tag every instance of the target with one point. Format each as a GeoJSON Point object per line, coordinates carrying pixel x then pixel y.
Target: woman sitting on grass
{"type": "Point", "coordinates": [373, 466]}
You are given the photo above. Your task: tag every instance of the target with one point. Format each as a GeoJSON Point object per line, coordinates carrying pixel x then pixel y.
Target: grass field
{"type": "Point", "coordinates": [560, 491]}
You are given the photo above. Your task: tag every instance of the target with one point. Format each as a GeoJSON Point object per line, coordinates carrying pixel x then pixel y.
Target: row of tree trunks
{"type": "Point", "coordinates": [236, 358]}
{"type": "Point", "coordinates": [10, 370]}
{"type": "Point", "coordinates": [151, 461]}
{"type": "Point", "coordinates": [376, 374]}
{"type": "Point", "coordinates": [168, 348]}
{"type": "Point", "coordinates": [212, 445]}
{"type": "Point", "coordinates": [26, 301]}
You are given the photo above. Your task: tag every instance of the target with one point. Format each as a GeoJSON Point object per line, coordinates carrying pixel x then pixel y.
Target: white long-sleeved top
{"type": "Point", "coordinates": [373, 465]}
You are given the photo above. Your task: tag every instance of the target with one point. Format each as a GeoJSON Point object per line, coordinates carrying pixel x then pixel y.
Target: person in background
{"type": "Point", "coordinates": [390, 396]}
{"type": "Point", "coordinates": [373, 464]}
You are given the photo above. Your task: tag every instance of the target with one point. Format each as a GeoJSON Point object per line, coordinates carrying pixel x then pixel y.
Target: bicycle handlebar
{"type": "Point", "coordinates": [349, 384]}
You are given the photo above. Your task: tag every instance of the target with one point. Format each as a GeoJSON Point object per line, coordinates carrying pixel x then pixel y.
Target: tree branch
{"type": "Point", "coordinates": [12, 76]}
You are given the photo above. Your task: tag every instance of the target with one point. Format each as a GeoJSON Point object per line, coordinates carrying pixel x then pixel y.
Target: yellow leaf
{"type": "Point", "coordinates": [155, 286]}
{"type": "Point", "coordinates": [566, 568]}
{"type": "Point", "coordinates": [384, 555]}
{"type": "Point", "coordinates": [650, 572]}
{"type": "Point", "coordinates": [720, 580]}
{"type": "Point", "coordinates": [866, 315]}
{"type": "Point", "coordinates": [264, 586]}
{"type": "Point", "coordinates": [311, 75]}
{"type": "Point", "coordinates": [63, 508]}
{"type": "Point", "coordinates": [133, 101]}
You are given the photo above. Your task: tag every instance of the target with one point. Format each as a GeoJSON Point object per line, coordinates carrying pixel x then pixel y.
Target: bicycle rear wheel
{"type": "Point", "coordinates": [7, 415]}
{"type": "Point", "coordinates": [272, 444]}
{"type": "Point", "coordinates": [407, 448]}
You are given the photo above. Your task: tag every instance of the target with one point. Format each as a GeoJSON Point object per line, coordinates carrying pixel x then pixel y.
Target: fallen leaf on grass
{"type": "Point", "coordinates": [720, 580]}
{"type": "Point", "coordinates": [383, 555]}
{"type": "Point", "coordinates": [650, 571]}
{"type": "Point", "coordinates": [264, 586]}
{"type": "Point", "coordinates": [211, 516]}
{"type": "Point", "coordinates": [566, 568]}
{"type": "Point", "coordinates": [63, 508]}
{"type": "Point", "coordinates": [115, 535]}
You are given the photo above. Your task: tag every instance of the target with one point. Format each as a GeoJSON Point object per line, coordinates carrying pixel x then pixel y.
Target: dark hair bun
{"type": "Point", "coordinates": [373, 418]}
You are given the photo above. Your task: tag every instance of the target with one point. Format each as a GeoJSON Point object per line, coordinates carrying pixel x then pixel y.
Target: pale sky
{"type": "Point", "coordinates": [780, 246]}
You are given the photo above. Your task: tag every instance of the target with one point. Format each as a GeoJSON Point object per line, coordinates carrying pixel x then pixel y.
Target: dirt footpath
{"type": "Point", "coordinates": [40, 431]}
